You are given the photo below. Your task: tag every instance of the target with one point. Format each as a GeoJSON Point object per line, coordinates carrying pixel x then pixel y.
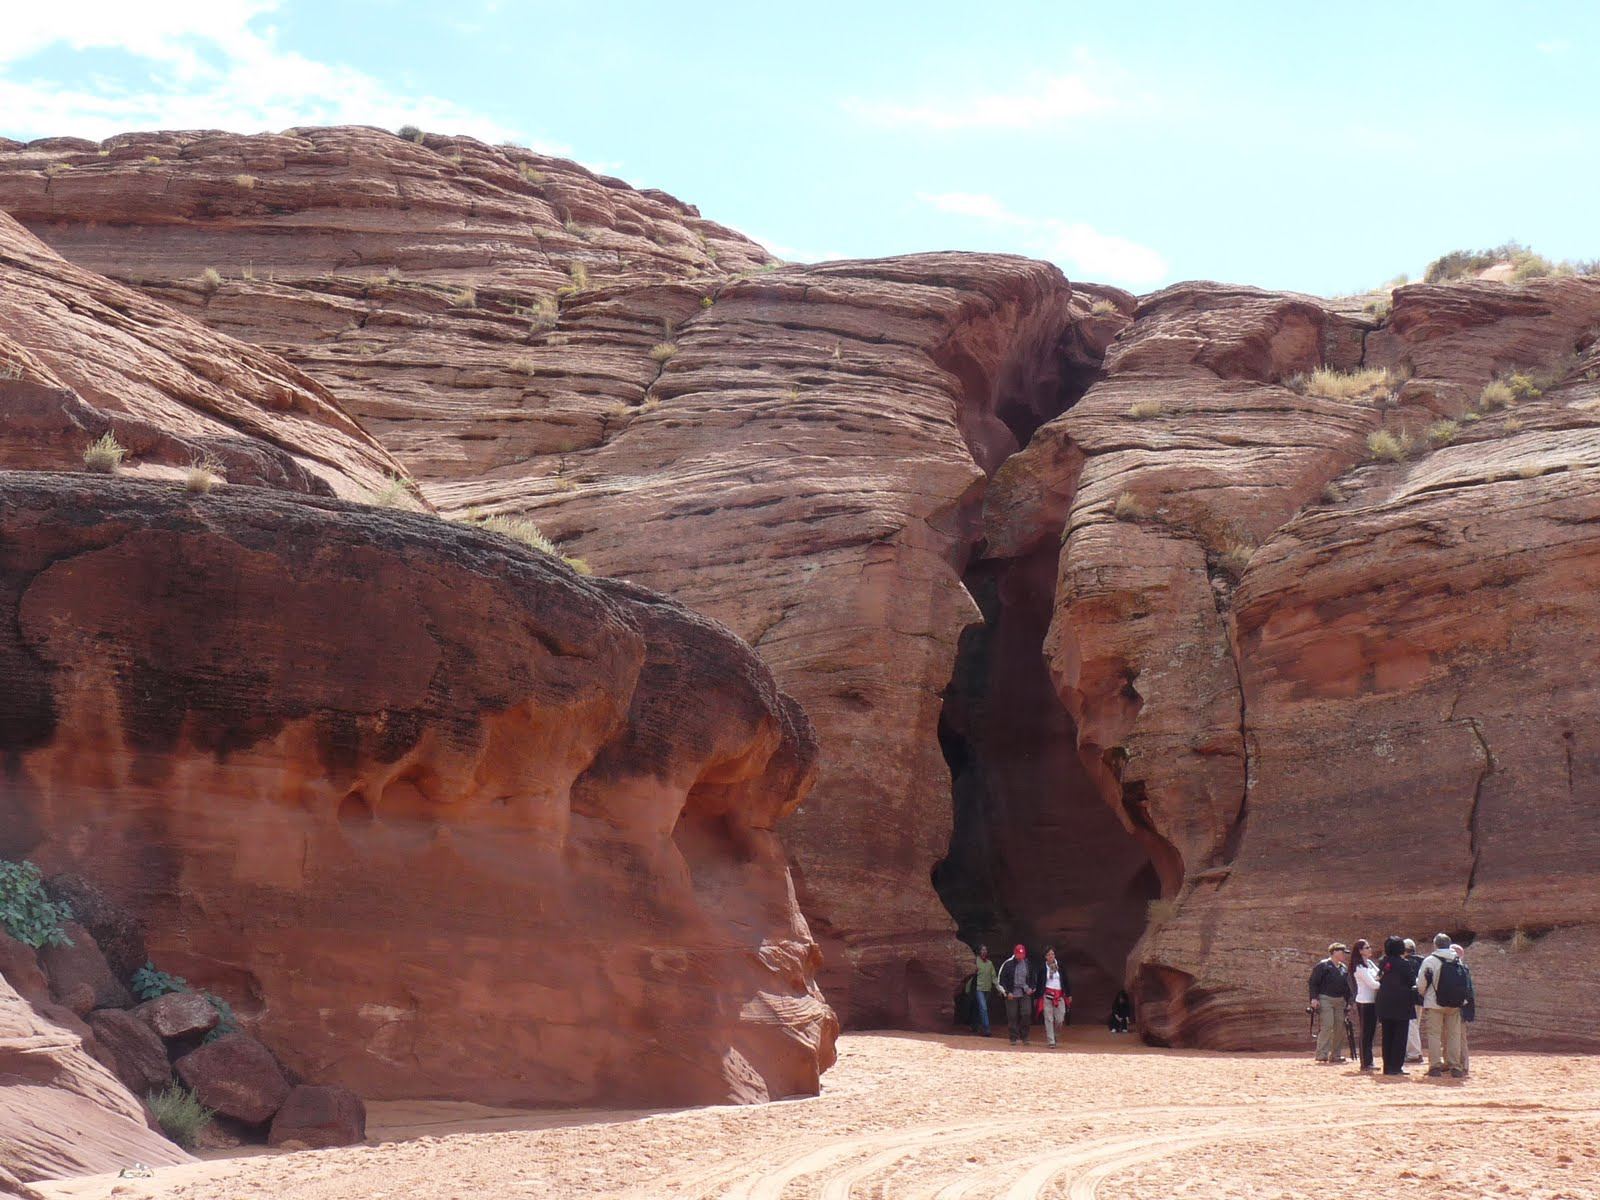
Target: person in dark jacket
{"type": "Point", "coordinates": [1394, 1003]}
{"type": "Point", "coordinates": [1121, 1013]}
{"type": "Point", "coordinates": [1330, 991]}
{"type": "Point", "coordinates": [1016, 985]}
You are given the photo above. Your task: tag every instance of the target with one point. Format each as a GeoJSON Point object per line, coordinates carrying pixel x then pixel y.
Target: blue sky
{"type": "Point", "coordinates": [1316, 147]}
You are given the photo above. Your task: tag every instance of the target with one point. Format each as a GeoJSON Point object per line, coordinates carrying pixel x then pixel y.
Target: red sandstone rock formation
{"type": "Point", "coordinates": [62, 1113]}
{"type": "Point", "coordinates": [1335, 695]}
{"type": "Point", "coordinates": [429, 808]}
{"type": "Point", "coordinates": [81, 356]}
{"type": "Point", "coordinates": [806, 466]}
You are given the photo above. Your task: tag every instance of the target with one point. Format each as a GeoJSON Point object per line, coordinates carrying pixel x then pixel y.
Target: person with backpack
{"type": "Point", "coordinates": [1016, 985]}
{"type": "Point", "coordinates": [1395, 1002]}
{"type": "Point", "coordinates": [983, 978]}
{"type": "Point", "coordinates": [1330, 991]}
{"type": "Point", "coordinates": [1443, 985]}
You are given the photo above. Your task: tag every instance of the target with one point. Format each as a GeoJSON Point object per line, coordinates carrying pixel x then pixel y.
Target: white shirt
{"type": "Point", "coordinates": [1366, 976]}
{"type": "Point", "coordinates": [1052, 977]}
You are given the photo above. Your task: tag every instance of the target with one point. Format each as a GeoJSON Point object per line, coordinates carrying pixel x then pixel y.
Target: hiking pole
{"type": "Point", "coordinates": [1349, 1032]}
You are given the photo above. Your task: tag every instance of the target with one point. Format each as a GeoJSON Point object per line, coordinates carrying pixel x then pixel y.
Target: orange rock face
{"type": "Point", "coordinates": [427, 806]}
{"type": "Point", "coordinates": [797, 452]}
{"type": "Point", "coordinates": [1338, 695]}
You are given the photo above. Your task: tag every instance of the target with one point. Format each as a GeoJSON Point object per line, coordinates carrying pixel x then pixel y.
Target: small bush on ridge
{"type": "Point", "coordinates": [104, 455]}
{"type": "Point", "coordinates": [26, 912]}
{"type": "Point", "coordinates": [180, 1114]}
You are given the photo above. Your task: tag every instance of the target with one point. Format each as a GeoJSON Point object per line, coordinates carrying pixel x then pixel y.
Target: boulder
{"type": "Point", "coordinates": [115, 930]}
{"type": "Point", "coordinates": [237, 1077]}
{"type": "Point", "coordinates": [80, 978]}
{"type": "Point", "coordinates": [131, 1049]}
{"type": "Point", "coordinates": [179, 1014]}
{"type": "Point", "coordinates": [19, 966]}
{"type": "Point", "coordinates": [314, 1118]}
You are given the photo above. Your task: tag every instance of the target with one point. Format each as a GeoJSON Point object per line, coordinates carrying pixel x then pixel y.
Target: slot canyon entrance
{"type": "Point", "coordinates": [1036, 855]}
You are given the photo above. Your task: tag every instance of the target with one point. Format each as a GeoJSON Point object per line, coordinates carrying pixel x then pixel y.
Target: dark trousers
{"type": "Point", "coordinates": [1394, 1046]}
{"type": "Point", "coordinates": [1019, 1011]}
{"type": "Point", "coordinates": [1369, 1026]}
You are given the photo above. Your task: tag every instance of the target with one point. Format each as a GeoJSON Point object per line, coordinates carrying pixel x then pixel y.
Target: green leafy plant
{"type": "Point", "coordinates": [148, 982]}
{"type": "Point", "coordinates": [226, 1021]}
{"type": "Point", "coordinates": [27, 913]}
{"type": "Point", "coordinates": [180, 1114]}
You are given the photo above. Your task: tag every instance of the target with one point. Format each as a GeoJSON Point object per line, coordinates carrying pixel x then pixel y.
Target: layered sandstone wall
{"type": "Point", "coordinates": [799, 452]}
{"type": "Point", "coordinates": [425, 804]}
{"type": "Point", "coordinates": [1341, 696]}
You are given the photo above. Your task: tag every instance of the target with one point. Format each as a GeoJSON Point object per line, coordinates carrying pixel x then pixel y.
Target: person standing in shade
{"type": "Point", "coordinates": [1364, 973]}
{"type": "Point", "coordinates": [1016, 984]}
{"type": "Point", "coordinates": [1394, 1003]}
{"type": "Point", "coordinates": [983, 979]}
{"type": "Point", "coordinates": [1057, 996]}
{"type": "Point", "coordinates": [1469, 1010]}
{"type": "Point", "coordinates": [1441, 1012]}
{"type": "Point", "coordinates": [1414, 1030]}
{"type": "Point", "coordinates": [1330, 991]}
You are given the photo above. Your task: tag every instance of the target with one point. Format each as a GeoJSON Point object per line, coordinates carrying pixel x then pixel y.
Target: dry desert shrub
{"type": "Point", "coordinates": [523, 365]}
{"type": "Point", "coordinates": [1104, 308]}
{"type": "Point", "coordinates": [1496, 394]}
{"type": "Point", "coordinates": [202, 476]}
{"type": "Point", "coordinates": [180, 1114]}
{"type": "Point", "coordinates": [1441, 432]}
{"type": "Point", "coordinates": [211, 279]}
{"type": "Point", "coordinates": [104, 455]}
{"type": "Point", "coordinates": [464, 298]}
{"type": "Point", "coordinates": [1128, 507]}
{"type": "Point", "coordinates": [1143, 410]}
{"type": "Point", "coordinates": [1388, 446]}
{"type": "Point", "coordinates": [1162, 911]}
{"type": "Point", "coordinates": [662, 351]}
{"type": "Point", "coordinates": [1235, 557]}
{"type": "Point", "coordinates": [244, 181]}
{"type": "Point", "coordinates": [1365, 383]}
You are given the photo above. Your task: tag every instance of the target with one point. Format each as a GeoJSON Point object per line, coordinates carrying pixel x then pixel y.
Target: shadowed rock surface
{"type": "Point", "coordinates": [426, 804]}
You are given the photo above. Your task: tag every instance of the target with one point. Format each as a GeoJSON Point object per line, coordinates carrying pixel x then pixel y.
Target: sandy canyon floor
{"type": "Point", "coordinates": [960, 1118]}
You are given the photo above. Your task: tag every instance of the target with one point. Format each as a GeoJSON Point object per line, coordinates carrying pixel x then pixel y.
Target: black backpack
{"type": "Point", "coordinates": [1453, 987]}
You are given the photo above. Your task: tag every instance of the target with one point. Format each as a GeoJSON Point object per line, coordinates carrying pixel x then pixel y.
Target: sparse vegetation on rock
{"type": "Point", "coordinates": [1143, 410]}
{"type": "Point", "coordinates": [180, 1114]}
{"type": "Point", "coordinates": [104, 455]}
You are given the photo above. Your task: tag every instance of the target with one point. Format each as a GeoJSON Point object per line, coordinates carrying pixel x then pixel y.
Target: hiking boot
{"type": "Point", "coordinates": [1415, 1058]}
{"type": "Point", "coordinates": [1435, 1071]}
{"type": "Point", "coordinates": [1457, 1073]}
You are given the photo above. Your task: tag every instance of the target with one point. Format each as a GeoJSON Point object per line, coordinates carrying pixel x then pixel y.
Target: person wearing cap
{"type": "Point", "coordinates": [1016, 985]}
{"type": "Point", "coordinates": [1414, 1030]}
{"type": "Point", "coordinates": [1469, 1010]}
{"type": "Point", "coordinates": [1330, 991]}
{"type": "Point", "coordinates": [1443, 1024]}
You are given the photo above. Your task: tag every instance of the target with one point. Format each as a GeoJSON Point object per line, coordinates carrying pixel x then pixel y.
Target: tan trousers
{"type": "Point", "coordinates": [1330, 1038]}
{"type": "Point", "coordinates": [1442, 1027]}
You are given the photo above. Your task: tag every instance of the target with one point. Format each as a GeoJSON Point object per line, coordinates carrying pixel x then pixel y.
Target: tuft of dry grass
{"type": "Point", "coordinates": [395, 493]}
{"type": "Point", "coordinates": [202, 476]}
{"type": "Point", "coordinates": [1143, 410]}
{"type": "Point", "coordinates": [1162, 911]}
{"type": "Point", "coordinates": [1387, 446]}
{"type": "Point", "coordinates": [1520, 942]}
{"type": "Point", "coordinates": [580, 280]}
{"type": "Point", "coordinates": [104, 455]}
{"type": "Point", "coordinates": [1332, 494]}
{"type": "Point", "coordinates": [523, 365]}
{"type": "Point", "coordinates": [520, 528]}
{"type": "Point", "coordinates": [1529, 471]}
{"type": "Point", "coordinates": [1365, 383]}
{"type": "Point", "coordinates": [580, 565]}
{"type": "Point", "coordinates": [1496, 394]}
{"type": "Point", "coordinates": [1511, 425]}
{"type": "Point", "coordinates": [662, 351]}
{"type": "Point", "coordinates": [1129, 508]}
{"type": "Point", "coordinates": [1441, 432]}
{"type": "Point", "coordinates": [544, 315]}
{"type": "Point", "coordinates": [244, 181]}
{"type": "Point", "coordinates": [464, 298]}
{"type": "Point", "coordinates": [153, 160]}
{"type": "Point", "coordinates": [211, 279]}
{"type": "Point", "coordinates": [530, 173]}
{"type": "Point", "coordinates": [58, 168]}
{"type": "Point", "coordinates": [1104, 308]}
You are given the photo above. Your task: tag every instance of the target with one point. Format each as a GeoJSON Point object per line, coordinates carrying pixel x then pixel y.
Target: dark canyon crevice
{"type": "Point", "coordinates": [1036, 854]}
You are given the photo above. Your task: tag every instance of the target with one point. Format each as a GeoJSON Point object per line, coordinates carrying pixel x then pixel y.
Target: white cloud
{"type": "Point", "coordinates": [1079, 249]}
{"type": "Point", "coordinates": [205, 66]}
{"type": "Point", "coordinates": [1047, 102]}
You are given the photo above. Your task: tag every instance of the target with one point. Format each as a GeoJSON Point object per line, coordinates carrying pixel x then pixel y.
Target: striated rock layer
{"type": "Point", "coordinates": [61, 1112]}
{"type": "Point", "coordinates": [426, 805]}
{"type": "Point", "coordinates": [799, 452]}
{"type": "Point", "coordinates": [1339, 696]}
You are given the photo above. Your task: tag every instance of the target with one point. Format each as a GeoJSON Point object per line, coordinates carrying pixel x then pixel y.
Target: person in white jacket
{"type": "Point", "coordinates": [1364, 970]}
{"type": "Point", "coordinates": [1442, 1025]}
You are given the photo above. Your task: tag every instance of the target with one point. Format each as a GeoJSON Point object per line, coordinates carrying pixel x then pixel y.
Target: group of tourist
{"type": "Point", "coordinates": [1390, 991]}
{"type": "Point", "coordinates": [1029, 988]}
